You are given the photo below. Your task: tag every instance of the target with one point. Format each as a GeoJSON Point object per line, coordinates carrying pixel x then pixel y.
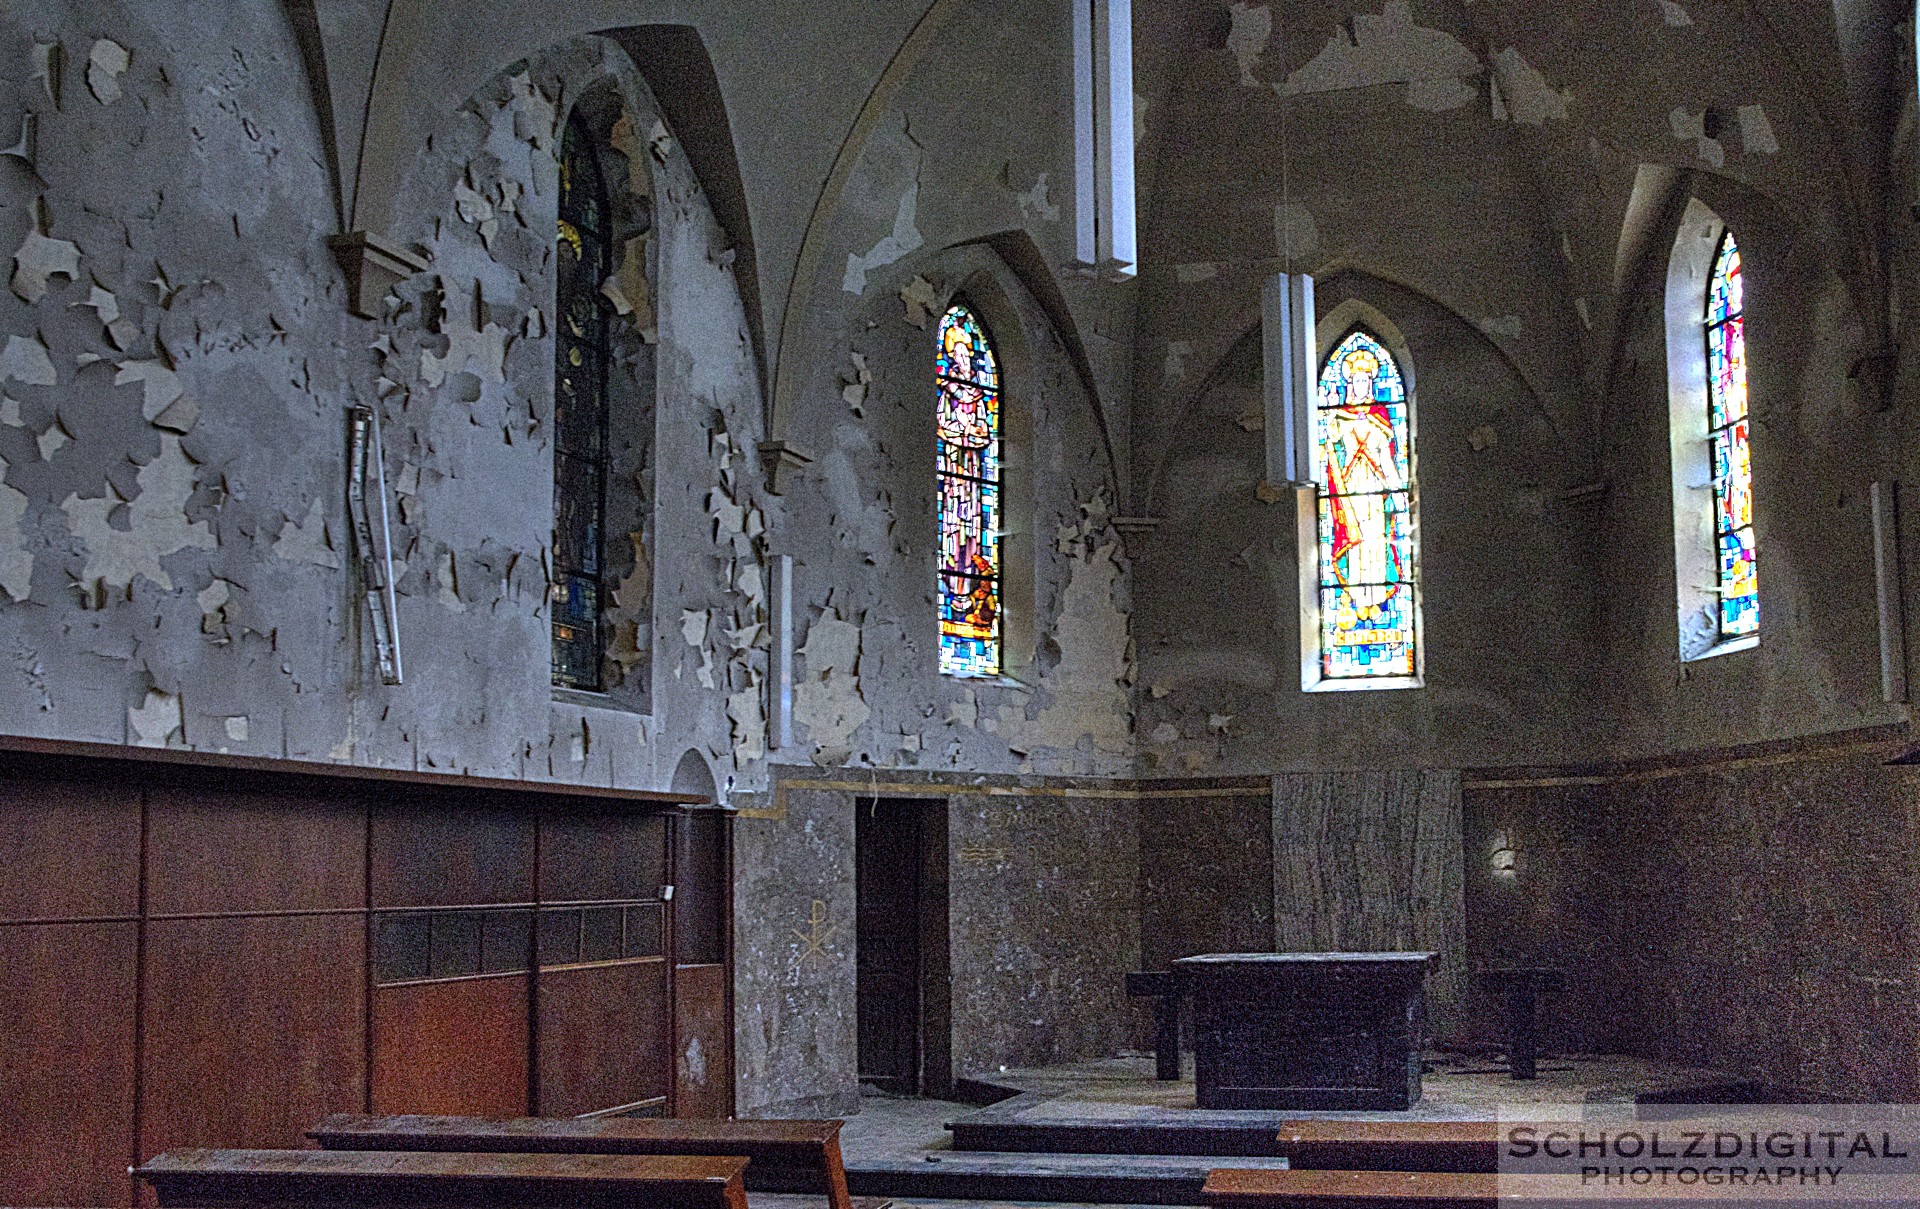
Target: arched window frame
{"type": "Point", "coordinates": [1317, 576]}
{"type": "Point", "coordinates": [582, 438]}
{"type": "Point", "coordinates": [1729, 445]}
{"type": "Point", "coordinates": [970, 495]}
{"type": "Point", "coordinates": [1700, 491]}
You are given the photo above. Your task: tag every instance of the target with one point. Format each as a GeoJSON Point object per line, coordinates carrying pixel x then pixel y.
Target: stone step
{"type": "Point", "coordinates": [1022, 1176]}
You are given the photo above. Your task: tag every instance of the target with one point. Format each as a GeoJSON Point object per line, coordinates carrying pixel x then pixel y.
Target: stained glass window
{"type": "Point", "coordinates": [1728, 451]}
{"type": "Point", "coordinates": [1368, 616]}
{"type": "Point", "coordinates": [968, 379]}
{"type": "Point", "coordinates": [585, 256]}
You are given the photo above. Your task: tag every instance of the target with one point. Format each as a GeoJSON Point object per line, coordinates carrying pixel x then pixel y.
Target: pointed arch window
{"type": "Point", "coordinates": [1728, 453]}
{"type": "Point", "coordinates": [967, 376]}
{"type": "Point", "coordinates": [1366, 607]}
{"type": "Point", "coordinates": [580, 412]}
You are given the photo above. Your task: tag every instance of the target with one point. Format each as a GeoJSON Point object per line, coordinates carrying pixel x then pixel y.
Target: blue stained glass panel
{"type": "Point", "coordinates": [967, 422]}
{"type": "Point", "coordinates": [1367, 632]}
{"type": "Point", "coordinates": [1367, 508]}
{"type": "Point", "coordinates": [1729, 448]}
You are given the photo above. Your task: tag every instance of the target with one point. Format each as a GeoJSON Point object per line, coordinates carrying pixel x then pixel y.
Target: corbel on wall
{"type": "Point", "coordinates": [373, 266]}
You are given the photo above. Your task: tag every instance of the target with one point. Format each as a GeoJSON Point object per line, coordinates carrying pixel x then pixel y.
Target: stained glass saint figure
{"type": "Point", "coordinates": [968, 424]}
{"type": "Point", "coordinates": [1368, 618]}
{"type": "Point", "coordinates": [1727, 431]}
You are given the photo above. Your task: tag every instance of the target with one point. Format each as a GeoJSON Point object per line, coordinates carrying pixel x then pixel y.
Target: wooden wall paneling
{"type": "Point", "coordinates": [703, 1065]}
{"type": "Point", "coordinates": [457, 1047]}
{"type": "Point", "coordinates": [253, 1029]}
{"type": "Point", "coordinates": [601, 1036]}
{"type": "Point", "coordinates": [703, 964]}
{"type": "Point", "coordinates": [254, 848]}
{"type": "Point", "coordinates": [70, 849]}
{"type": "Point", "coordinates": [437, 850]}
{"type": "Point", "coordinates": [588, 854]}
{"type": "Point", "coordinates": [66, 1062]}
{"type": "Point", "coordinates": [702, 885]}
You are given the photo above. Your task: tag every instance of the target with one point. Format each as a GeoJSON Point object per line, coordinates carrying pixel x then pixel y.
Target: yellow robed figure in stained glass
{"type": "Point", "coordinates": [1365, 476]}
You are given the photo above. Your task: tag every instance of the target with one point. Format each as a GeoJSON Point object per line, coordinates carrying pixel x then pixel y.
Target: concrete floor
{"type": "Point", "coordinates": [1456, 1088]}
{"type": "Point", "coordinates": [894, 1132]}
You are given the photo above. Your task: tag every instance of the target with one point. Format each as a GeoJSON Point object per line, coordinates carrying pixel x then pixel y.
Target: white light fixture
{"type": "Point", "coordinates": [1105, 221]}
{"type": "Point", "coordinates": [1289, 348]}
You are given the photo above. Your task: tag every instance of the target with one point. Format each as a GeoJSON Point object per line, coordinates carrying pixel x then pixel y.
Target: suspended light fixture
{"type": "Point", "coordinates": [1104, 205]}
{"type": "Point", "coordinates": [1289, 343]}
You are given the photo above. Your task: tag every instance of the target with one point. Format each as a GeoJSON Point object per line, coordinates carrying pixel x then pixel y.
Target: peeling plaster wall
{"type": "Point", "coordinates": [1218, 616]}
{"type": "Point", "coordinates": [175, 425]}
{"type": "Point", "coordinates": [1816, 453]}
{"type": "Point", "coordinates": [176, 353]}
{"type": "Point", "coordinates": [869, 693]}
{"type": "Point", "coordinates": [173, 582]}
{"type": "Point", "coordinates": [175, 552]}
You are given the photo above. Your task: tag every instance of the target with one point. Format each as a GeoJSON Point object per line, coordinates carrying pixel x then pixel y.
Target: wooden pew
{"type": "Point", "coordinates": [787, 1156]}
{"type": "Point", "coordinates": [1293, 1189]}
{"type": "Point", "coordinates": [318, 1179]}
{"type": "Point", "coordinates": [1390, 1145]}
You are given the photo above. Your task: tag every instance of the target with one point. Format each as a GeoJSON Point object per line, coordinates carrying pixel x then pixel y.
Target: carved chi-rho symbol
{"type": "Point", "coordinates": [817, 934]}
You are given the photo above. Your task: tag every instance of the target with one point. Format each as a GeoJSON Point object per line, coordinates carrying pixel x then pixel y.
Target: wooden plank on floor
{"type": "Point", "coordinates": [1244, 1189]}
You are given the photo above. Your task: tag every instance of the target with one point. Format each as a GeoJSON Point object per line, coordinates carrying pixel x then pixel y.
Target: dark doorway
{"type": "Point", "coordinates": [900, 921]}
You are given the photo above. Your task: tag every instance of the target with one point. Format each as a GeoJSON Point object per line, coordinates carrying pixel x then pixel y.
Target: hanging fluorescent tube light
{"type": "Point", "coordinates": [1290, 350]}
{"type": "Point", "coordinates": [1105, 219]}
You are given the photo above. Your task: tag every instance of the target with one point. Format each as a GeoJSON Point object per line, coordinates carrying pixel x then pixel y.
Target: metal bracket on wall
{"type": "Point", "coordinates": [367, 463]}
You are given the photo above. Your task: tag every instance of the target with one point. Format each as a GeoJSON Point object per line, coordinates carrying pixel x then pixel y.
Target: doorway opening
{"type": "Point", "coordinates": [902, 969]}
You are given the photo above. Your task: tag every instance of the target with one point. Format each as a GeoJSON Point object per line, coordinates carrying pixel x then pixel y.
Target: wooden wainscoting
{"type": "Point", "coordinates": [215, 951]}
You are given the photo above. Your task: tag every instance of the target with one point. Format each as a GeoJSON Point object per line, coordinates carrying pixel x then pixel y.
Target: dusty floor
{"type": "Point", "coordinates": [1123, 1089]}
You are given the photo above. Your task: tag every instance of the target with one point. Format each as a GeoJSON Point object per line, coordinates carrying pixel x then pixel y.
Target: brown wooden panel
{"type": "Point", "coordinates": [595, 854]}
{"type": "Point", "coordinates": [254, 1029]}
{"type": "Point", "coordinates": [66, 1063]}
{"type": "Point", "coordinates": [331, 1179]}
{"type": "Point", "coordinates": [438, 854]}
{"type": "Point", "coordinates": [69, 848]}
{"type": "Point", "coordinates": [601, 1038]}
{"type": "Point", "coordinates": [702, 873]}
{"type": "Point", "coordinates": [65, 754]}
{"type": "Point", "coordinates": [253, 850]}
{"type": "Point", "coordinates": [703, 1067]}
{"type": "Point", "coordinates": [452, 1047]}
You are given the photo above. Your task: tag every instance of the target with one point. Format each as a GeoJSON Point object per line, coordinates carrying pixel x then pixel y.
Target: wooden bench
{"type": "Point", "coordinates": [1247, 1189]}
{"type": "Point", "coordinates": [1159, 985]}
{"type": "Point", "coordinates": [787, 1156]}
{"type": "Point", "coordinates": [1293, 1189]}
{"type": "Point", "coordinates": [1458, 1146]}
{"type": "Point", "coordinates": [318, 1179]}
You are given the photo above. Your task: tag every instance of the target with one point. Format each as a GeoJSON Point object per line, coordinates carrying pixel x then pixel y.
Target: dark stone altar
{"type": "Point", "coordinates": [1306, 1030]}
